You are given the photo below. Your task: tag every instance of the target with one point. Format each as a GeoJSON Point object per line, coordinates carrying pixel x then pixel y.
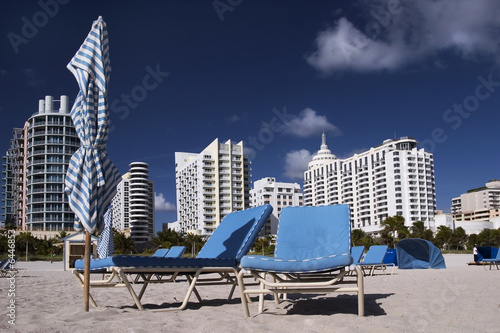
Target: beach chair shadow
{"type": "Point", "coordinates": [220, 255]}
{"type": "Point", "coordinates": [343, 304]}
{"type": "Point", "coordinates": [311, 255]}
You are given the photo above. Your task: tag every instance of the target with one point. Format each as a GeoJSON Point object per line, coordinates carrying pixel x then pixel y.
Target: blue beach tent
{"type": "Point", "coordinates": [486, 252]}
{"type": "Point", "coordinates": [416, 253]}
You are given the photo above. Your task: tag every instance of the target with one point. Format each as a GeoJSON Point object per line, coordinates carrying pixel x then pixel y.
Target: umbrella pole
{"type": "Point", "coordinates": [86, 273]}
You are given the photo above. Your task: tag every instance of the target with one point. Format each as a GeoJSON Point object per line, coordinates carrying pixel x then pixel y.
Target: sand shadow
{"type": "Point", "coordinates": [346, 304]}
{"type": "Point", "coordinates": [191, 305]}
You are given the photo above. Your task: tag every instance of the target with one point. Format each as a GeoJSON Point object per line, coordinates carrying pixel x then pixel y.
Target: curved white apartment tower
{"type": "Point", "coordinates": [394, 178]}
{"type": "Point", "coordinates": [50, 141]}
{"type": "Point", "coordinates": [133, 204]}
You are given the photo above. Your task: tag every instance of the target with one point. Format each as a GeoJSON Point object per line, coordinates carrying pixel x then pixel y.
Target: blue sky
{"type": "Point", "coordinates": [275, 74]}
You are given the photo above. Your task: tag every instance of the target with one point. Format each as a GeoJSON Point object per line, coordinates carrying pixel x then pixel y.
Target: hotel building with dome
{"type": "Point", "coordinates": [393, 178]}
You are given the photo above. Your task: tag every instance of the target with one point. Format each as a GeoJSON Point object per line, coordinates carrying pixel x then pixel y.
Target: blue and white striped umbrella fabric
{"type": "Point", "coordinates": [105, 245]}
{"type": "Point", "coordinates": [91, 178]}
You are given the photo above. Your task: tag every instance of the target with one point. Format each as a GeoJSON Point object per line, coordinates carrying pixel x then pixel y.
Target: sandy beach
{"type": "Point", "coordinates": [460, 298]}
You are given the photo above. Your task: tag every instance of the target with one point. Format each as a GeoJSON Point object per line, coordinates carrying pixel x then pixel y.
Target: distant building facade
{"type": "Point", "coordinates": [210, 185]}
{"type": "Point", "coordinates": [394, 178]}
{"type": "Point", "coordinates": [35, 167]}
{"type": "Point", "coordinates": [133, 204]}
{"type": "Point", "coordinates": [481, 204]}
{"type": "Point", "coordinates": [278, 195]}
{"type": "Point", "coordinates": [13, 197]}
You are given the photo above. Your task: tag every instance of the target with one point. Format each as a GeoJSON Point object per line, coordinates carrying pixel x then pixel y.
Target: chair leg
{"type": "Point", "coordinates": [361, 291]}
{"type": "Point", "coordinates": [131, 290]}
{"type": "Point", "coordinates": [190, 281]}
{"type": "Point", "coordinates": [231, 292]}
{"type": "Point", "coordinates": [79, 278]}
{"type": "Point", "coordinates": [244, 296]}
{"type": "Point", "coordinates": [261, 299]}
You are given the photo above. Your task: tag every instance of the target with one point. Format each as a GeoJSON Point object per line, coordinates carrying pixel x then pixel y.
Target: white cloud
{"type": "Point", "coordinates": [296, 163]}
{"type": "Point", "coordinates": [308, 123]}
{"type": "Point", "coordinates": [162, 205]}
{"type": "Point", "coordinates": [398, 33]}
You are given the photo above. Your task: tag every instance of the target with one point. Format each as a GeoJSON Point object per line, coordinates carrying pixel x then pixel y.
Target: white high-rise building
{"type": "Point", "coordinates": [480, 204]}
{"type": "Point", "coordinates": [210, 185]}
{"type": "Point", "coordinates": [278, 195]}
{"type": "Point", "coordinates": [394, 178]}
{"type": "Point", "coordinates": [133, 204]}
{"type": "Point", "coordinates": [36, 165]}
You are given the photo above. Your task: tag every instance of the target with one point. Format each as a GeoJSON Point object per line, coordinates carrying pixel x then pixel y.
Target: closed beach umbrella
{"type": "Point", "coordinates": [105, 245]}
{"type": "Point", "coordinates": [91, 178]}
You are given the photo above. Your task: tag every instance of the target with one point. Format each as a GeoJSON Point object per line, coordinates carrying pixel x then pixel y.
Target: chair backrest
{"type": "Point", "coordinates": [160, 253]}
{"type": "Point", "coordinates": [175, 252]}
{"type": "Point", "coordinates": [236, 233]}
{"type": "Point", "coordinates": [390, 257]}
{"type": "Point", "coordinates": [498, 254]}
{"type": "Point", "coordinates": [357, 253]}
{"type": "Point", "coordinates": [375, 254]}
{"type": "Point", "coordinates": [313, 232]}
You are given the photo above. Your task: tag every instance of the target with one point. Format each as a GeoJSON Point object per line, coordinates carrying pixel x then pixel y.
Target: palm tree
{"type": "Point", "coordinates": [459, 238]}
{"type": "Point", "coordinates": [123, 244]}
{"type": "Point", "coordinates": [357, 236]}
{"type": "Point", "coordinates": [166, 239]}
{"type": "Point", "coordinates": [25, 242]}
{"type": "Point", "coordinates": [262, 242]}
{"type": "Point", "coordinates": [417, 229]}
{"type": "Point", "coordinates": [61, 235]}
{"type": "Point", "coordinates": [193, 239]}
{"type": "Point", "coordinates": [392, 226]}
{"type": "Point", "coordinates": [444, 237]}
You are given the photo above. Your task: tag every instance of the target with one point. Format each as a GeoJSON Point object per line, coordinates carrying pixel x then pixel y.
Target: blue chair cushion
{"type": "Point", "coordinates": [282, 265]}
{"type": "Point", "coordinates": [236, 234]}
{"type": "Point", "coordinates": [310, 239]}
{"type": "Point", "coordinates": [357, 253]}
{"type": "Point", "coordinates": [375, 255]}
{"type": "Point", "coordinates": [175, 252]}
{"type": "Point", "coordinates": [313, 232]}
{"type": "Point", "coordinates": [160, 253]}
{"type": "Point", "coordinates": [154, 262]}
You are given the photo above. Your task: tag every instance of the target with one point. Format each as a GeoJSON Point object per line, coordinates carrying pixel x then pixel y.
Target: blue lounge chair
{"type": "Point", "coordinates": [390, 259]}
{"type": "Point", "coordinates": [493, 261]}
{"type": "Point", "coordinates": [175, 252]}
{"type": "Point", "coordinates": [160, 252]}
{"type": "Point", "coordinates": [221, 254]}
{"type": "Point", "coordinates": [311, 255]}
{"type": "Point", "coordinates": [374, 259]}
{"type": "Point", "coordinates": [357, 254]}
{"type": "Point", "coordinates": [7, 267]}
{"type": "Point", "coordinates": [3, 266]}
